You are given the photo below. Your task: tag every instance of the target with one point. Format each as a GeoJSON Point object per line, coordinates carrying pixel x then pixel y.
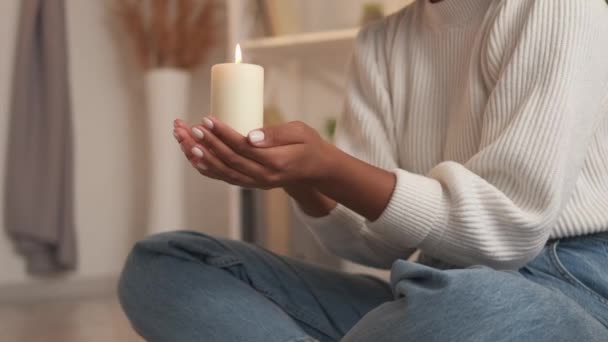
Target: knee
{"type": "Point", "coordinates": [133, 282]}
{"type": "Point", "coordinates": [157, 257]}
{"type": "Point", "coordinates": [163, 275]}
{"type": "Point", "coordinates": [151, 260]}
{"type": "Point", "coordinates": [480, 291]}
{"type": "Point", "coordinates": [134, 276]}
{"type": "Point", "coordinates": [165, 243]}
{"type": "Point", "coordinates": [144, 251]}
{"type": "Point", "coordinates": [477, 285]}
{"type": "Point", "coordinates": [475, 304]}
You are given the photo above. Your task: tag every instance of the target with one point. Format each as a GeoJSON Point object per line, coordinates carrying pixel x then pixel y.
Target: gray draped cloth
{"type": "Point", "coordinates": [39, 177]}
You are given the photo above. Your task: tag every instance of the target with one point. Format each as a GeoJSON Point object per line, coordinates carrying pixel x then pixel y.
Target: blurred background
{"type": "Point", "coordinates": [88, 93]}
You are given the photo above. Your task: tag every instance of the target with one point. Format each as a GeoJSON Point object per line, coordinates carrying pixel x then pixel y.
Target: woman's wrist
{"type": "Point", "coordinates": [360, 186]}
{"type": "Point", "coordinates": [310, 200]}
{"type": "Point", "coordinates": [328, 166]}
{"type": "Point", "coordinates": [339, 177]}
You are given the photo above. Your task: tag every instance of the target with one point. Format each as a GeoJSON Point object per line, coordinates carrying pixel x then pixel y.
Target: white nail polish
{"type": "Point", "coordinates": [198, 133]}
{"type": "Point", "coordinates": [208, 123]}
{"type": "Point", "coordinates": [197, 152]}
{"type": "Point", "coordinates": [201, 166]}
{"type": "Point", "coordinates": [256, 136]}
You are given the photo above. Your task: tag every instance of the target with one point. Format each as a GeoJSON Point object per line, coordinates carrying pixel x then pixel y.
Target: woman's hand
{"type": "Point", "coordinates": [292, 156]}
{"type": "Point", "coordinates": [279, 156]}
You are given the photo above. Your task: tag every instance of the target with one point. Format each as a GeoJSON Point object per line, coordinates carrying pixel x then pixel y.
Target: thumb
{"type": "Point", "coordinates": [294, 132]}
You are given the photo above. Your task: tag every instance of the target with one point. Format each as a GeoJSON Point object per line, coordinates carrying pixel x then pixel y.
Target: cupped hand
{"type": "Point", "coordinates": [277, 156]}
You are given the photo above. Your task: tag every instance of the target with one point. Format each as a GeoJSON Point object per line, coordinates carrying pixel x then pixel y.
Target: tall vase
{"type": "Point", "coordinates": [166, 98]}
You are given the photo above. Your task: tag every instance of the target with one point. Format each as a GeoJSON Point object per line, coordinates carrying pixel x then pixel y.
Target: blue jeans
{"type": "Point", "coordinates": [186, 286]}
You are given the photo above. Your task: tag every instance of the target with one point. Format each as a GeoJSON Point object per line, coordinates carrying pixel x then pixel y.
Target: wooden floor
{"type": "Point", "coordinates": [85, 320]}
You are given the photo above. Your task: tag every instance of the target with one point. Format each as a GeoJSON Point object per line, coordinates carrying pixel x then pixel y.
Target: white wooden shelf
{"type": "Point", "coordinates": [300, 44]}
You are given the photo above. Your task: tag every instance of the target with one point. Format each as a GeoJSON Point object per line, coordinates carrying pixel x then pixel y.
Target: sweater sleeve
{"type": "Point", "coordinates": [365, 131]}
{"type": "Point", "coordinates": [547, 61]}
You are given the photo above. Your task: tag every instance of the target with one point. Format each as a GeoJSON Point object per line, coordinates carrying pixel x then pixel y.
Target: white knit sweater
{"type": "Point", "coordinates": [493, 114]}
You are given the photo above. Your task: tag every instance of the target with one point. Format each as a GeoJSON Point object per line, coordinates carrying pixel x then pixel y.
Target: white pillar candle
{"type": "Point", "coordinates": [237, 94]}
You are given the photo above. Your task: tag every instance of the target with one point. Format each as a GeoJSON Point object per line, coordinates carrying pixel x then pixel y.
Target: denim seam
{"type": "Point", "coordinates": [223, 262]}
{"type": "Point", "coordinates": [331, 322]}
{"type": "Point", "coordinates": [389, 326]}
{"type": "Point", "coordinates": [571, 278]}
{"type": "Point", "coordinates": [294, 312]}
{"type": "Point", "coordinates": [301, 316]}
{"type": "Point", "coordinates": [303, 339]}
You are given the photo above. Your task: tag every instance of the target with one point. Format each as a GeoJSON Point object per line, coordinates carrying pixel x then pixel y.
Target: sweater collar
{"type": "Point", "coordinates": [452, 12]}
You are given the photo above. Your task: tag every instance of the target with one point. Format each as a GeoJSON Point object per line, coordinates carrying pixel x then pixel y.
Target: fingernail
{"type": "Point", "coordinates": [176, 136]}
{"type": "Point", "coordinates": [208, 123]}
{"type": "Point", "coordinates": [174, 123]}
{"type": "Point", "coordinates": [198, 133]}
{"type": "Point", "coordinates": [256, 136]}
{"type": "Point", "coordinates": [201, 166]}
{"type": "Point", "coordinates": [197, 152]}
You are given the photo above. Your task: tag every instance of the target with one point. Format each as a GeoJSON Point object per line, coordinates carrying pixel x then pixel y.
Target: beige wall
{"type": "Point", "coordinates": [110, 146]}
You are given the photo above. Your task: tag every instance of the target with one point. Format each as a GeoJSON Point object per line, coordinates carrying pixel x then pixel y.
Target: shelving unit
{"type": "Point", "coordinates": [301, 44]}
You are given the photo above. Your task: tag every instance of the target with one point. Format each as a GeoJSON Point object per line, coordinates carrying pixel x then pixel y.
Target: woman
{"type": "Point", "coordinates": [475, 131]}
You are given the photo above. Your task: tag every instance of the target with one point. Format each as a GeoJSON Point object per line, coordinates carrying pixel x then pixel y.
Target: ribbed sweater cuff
{"type": "Point", "coordinates": [416, 211]}
{"type": "Point", "coordinates": [339, 226]}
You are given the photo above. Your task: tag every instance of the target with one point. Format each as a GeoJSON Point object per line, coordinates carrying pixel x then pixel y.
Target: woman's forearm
{"type": "Point", "coordinates": [310, 200]}
{"type": "Point", "coordinates": [360, 186]}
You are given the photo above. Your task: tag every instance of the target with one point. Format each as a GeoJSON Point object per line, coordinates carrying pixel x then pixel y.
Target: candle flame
{"type": "Point", "coordinates": [238, 56]}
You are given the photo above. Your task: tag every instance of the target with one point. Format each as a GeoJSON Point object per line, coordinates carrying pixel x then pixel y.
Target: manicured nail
{"type": "Point", "coordinates": [197, 152]}
{"type": "Point", "coordinates": [198, 133]}
{"type": "Point", "coordinates": [208, 123]}
{"type": "Point", "coordinates": [201, 166]}
{"type": "Point", "coordinates": [256, 136]}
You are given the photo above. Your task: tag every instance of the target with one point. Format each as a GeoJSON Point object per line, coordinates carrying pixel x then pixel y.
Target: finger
{"type": "Point", "coordinates": [183, 134]}
{"type": "Point", "coordinates": [195, 154]}
{"type": "Point", "coordinates": [180, 123]}
{"type": "Point", "coordinates": [180, 134]}
{"type": "Point", "coordinates": [239, 144]}
{"type": "Point", "coordinates": [177, 137]}
{"type": "Point", "coordinates": [189, 146]}
{"type": "Point", "coordinates": [208, 162]}
{"type": "Point", "coordinates": [205, 171]}
{"type": "Point", "coordinates": [280, 159]}
{"type": "Point", "coordinates": [234, 159]}
{"type": "Point", "coordinates": [233, 139]}
{"type": "Point", "coordinates": [184, 127]}
{"type": "Point", "coordinates": [211, 175]}
{"type": "Point", "coordinates": [295, 132]}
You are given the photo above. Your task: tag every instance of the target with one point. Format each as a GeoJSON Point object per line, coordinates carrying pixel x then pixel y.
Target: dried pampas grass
{"type": "Point", "coordinates": [168, 33]}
